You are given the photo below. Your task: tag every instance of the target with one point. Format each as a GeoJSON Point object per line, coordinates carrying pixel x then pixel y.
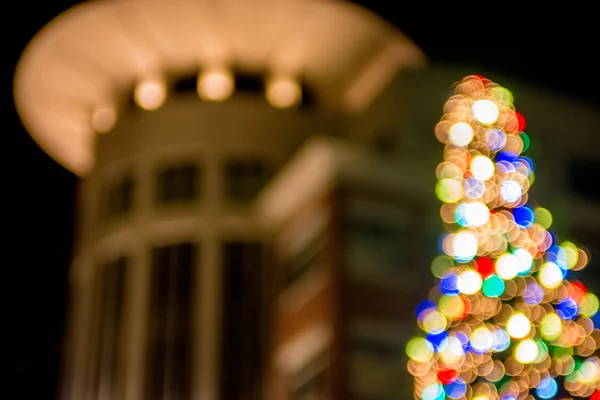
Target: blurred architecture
{"type": "Point", "coordinates": [176, 114]}
{"type": "Point", "coordinates": [347, 229]}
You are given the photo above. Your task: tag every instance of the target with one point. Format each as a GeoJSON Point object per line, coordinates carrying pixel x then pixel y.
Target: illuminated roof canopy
{"type": "Point", "coordinates": [73, 74]}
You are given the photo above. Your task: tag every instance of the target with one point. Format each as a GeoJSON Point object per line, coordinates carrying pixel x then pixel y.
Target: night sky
{"type": "Point", "coordinates": [554, 51]}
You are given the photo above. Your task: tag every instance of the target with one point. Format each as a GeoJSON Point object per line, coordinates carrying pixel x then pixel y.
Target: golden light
{"type": "Point", "coordinates": [215, 84]}
{"type": "Point", "coordinates": [283, 92]}
{"type": "Point", "coordinates": [150, 94]}
{"type": "Point", "coordinates": [104, 118]}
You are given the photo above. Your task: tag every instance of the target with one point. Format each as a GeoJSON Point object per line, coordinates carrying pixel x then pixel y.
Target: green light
{"type": "Point", "coordinates": [493, 286]}
{"type": "Point", "coordinates": [526, 141]}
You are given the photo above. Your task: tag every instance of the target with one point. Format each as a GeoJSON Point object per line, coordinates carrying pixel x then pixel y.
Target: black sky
{"type": "Point", "coordinates": [552, 51]}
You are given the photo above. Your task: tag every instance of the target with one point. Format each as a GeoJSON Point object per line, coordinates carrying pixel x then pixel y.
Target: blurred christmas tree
{"type": "Point", "coordinates": [508, 319]}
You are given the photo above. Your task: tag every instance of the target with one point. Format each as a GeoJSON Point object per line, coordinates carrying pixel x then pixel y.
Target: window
{"type": "Point", "coordinates": [379, 239]}
{"type": "Point", "coordinates": [119, 197]}
{"type": "Point", "coordinates": [106, 367]}
{"type": "Point", "coordinates": [243, 322]}
{"type": "Point", "coordinates": [170, 327]}
{"type": "Point", "coordinates": [244, 179]}
{"type": "Point", "coordinates": [178, 184]}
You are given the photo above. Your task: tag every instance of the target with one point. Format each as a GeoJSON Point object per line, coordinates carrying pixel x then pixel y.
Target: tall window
{"type": "Point", "coordinates": [118, 197]}
{"type": "Point", "coordinates": [170, 327]}
{"type": "Point", "coordinates": [244, 179]}
{"type": "Point", "coordinates": [178, 184]}
{"type": "Point", "coordinates": [243, 322]}
{"type": "Point", "coordinates": [106, 369]}
{"type": "Point", "coordinates": [380, 240]}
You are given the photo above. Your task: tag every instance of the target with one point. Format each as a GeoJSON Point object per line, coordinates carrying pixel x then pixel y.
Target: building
{"type": "Point", "coordinates": [176, 114]}
{"type": "Point", "coordinates": [349, 246]}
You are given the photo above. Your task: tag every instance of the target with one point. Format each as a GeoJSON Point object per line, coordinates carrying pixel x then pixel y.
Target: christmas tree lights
{"type": "Point", "coordinates": [508, 319]}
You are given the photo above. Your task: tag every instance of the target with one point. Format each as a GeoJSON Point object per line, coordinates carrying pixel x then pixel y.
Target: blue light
{"type": "Point", "coordinates": [547, 388]}
{"type": "Point", "coordinates": [437, 339]}
{"type": "Point", "coordinates": [424, 306]}
{"type": "Point", "coordinates": [449, 285]}
{"type": "Point", "coordinates": [506, 156]}
{"type": "Point", "coordinates": [567, 309]}
{"type": "Point", "coordinates": [524, 216]}
{"type": "Point", "coordinates": [456, 389]}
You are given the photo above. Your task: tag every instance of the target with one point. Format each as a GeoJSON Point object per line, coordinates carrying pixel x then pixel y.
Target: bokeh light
{"type": "Point", "coordinates": [506, 321]}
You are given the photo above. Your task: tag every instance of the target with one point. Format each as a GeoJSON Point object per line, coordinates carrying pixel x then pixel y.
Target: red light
{"type": "Point", "coordinates": [485, 266]}
{"type": "Point", "coordinates": [447, 376]}
{"type": "Point", "coordinates": [596, 395]}
{"type": "Point", "coordinates": [521, 120]}
{"type": "Point", "coordinates": [580, 286]}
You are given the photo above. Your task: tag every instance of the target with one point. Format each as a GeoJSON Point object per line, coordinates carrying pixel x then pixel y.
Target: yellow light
{"type": "Point", "coordinates": [419, 349]}
{"type": "Point", "coordinates": [543, 217]}
{"type": "Point", "coordinates": [460, 134]}
{"type": "Point", "coordinates": [434, 322]}
{"type": "Point", "coordinates": [589, 305]}
{"type": "Point", "coordinates": [485, 111]}
{"type": "Point", "coordinates": [518, 326]}
{"type": "Point", "coordinates": [452, 351]}
{"type": "Point", "coordinates": [571, 252]}
{"type": "Point", "coordinates": [283, 92]}
{"type": "Point", "coordinates": [449, 190]}
{"type": "Point", "coordinates": [551, 326]}
{"type": "Point", "coordinates": [550, 275]}
{"type": "Point", "coordinates": [150, 94]}
{"type": "Point", "coordinates": [527, 351]}
{"type": "Point", "coordinates": [104, 119]}
{"type": "Point", "coordinates": [215, 84]}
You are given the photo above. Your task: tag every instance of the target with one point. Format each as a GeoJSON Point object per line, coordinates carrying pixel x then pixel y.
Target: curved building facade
{"type": "Point", "coordinates": [175, 114]}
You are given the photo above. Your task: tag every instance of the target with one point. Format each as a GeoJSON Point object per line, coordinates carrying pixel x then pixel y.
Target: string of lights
{"type": "Point", "coordinates": [508, 318]}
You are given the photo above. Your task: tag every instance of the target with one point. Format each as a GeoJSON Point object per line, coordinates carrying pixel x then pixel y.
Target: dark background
{"type": "Point", "coordinates": [555, 51]}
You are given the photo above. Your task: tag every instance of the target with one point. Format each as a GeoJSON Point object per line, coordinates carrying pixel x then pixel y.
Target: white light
{"type": "Point", "coordinates": [527, 351]}
{"type": "Point", "coordinates": [469, 282]}
{"type": "Point", "coordinates": [550, 275]}
{"type": "Point", "coordinates": [104, 119]}
{"type": "Point", "coordinates": [511, 191]}
{"type": "Point", "coordinates": [482, 167]}
{"type": "Point", "coordinates": [283, 92]}
{"type": "Point", "coordinates": [518, 326]}
{"type": "Point", "coordinates": [507, 266]}
{"type": "Point", "coordinates": [525, 259]}
{"type": "Point", "coordinates": [460, 134]}
{"type": "Point", "coordinates": [482, 339]}
{"type": "Point", "coordinates": [476, 214]}
{"type": "Point", "coordinates": [464, 246]}
{"type": "Point", "coordinates": [150, 94]}
{"type": "Point", "coordinates": [485, 111]}
{"type": "Point", "coordinates": [215, 85]}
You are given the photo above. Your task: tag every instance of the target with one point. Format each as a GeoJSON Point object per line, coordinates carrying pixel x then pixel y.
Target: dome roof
{"type": "Point", "coordinates": [89, 55]}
